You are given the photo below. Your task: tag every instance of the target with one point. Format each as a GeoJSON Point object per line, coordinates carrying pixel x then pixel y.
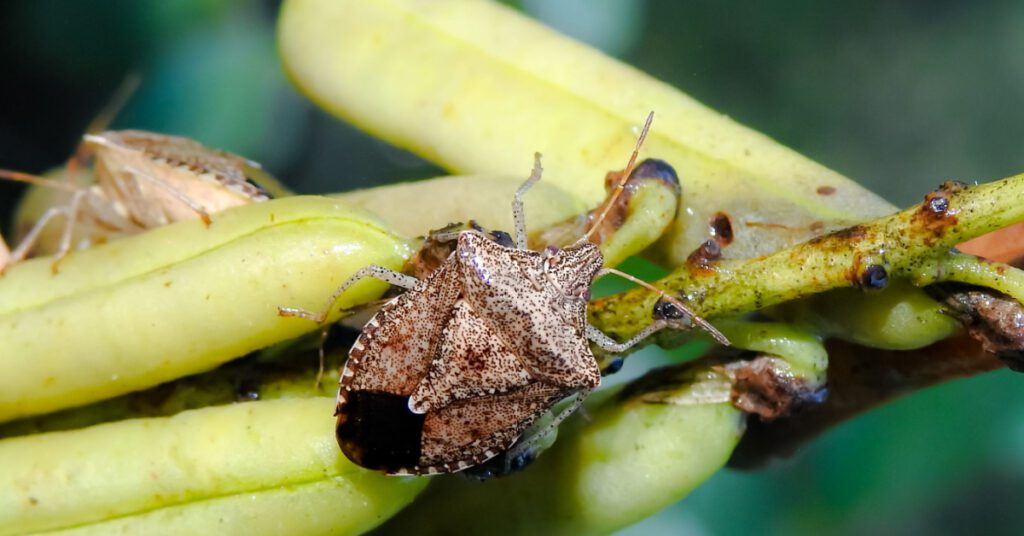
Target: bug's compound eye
{"type": "Point", "coordinates": [552, 250]}
{"type": "Point", "coordinates": [502, 238]}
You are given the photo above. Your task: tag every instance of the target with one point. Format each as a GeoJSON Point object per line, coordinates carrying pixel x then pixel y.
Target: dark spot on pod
{"type": "Point", "coordinates": [378, 431]}
{"type": "Point", "coordinates": [874, 277]}
{"type": "Point", "coordinates": [721, 228]}
{"type": "Point", "coordinates": [841, 237]}
{"type": "Point", "coordinates": [702, 258]}
{"type": "Point", "coordinates": [666, 310]}
{"type": "Point", "coordinates": [652, 168]}
{"type": "Point", "coordinates": [938, 204]}
{"type": "Point", "coordinates": [936, 214]}
{"type": "Point", "coordinates": [247, 383]}
{"type": "Point", "coordinates": [503, 238]}
{"type": "Point", "coordinates": [817, 227]}
{"type": "Point", "coordinates": [614, 366]}
{"type": "Point", "coordinates": [247, 391]}
{"type": "Point", "coordinates": [826, 190]}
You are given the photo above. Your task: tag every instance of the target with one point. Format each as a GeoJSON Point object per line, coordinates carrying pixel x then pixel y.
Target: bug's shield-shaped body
{"type": "Point", "coordinates": [452, 372]}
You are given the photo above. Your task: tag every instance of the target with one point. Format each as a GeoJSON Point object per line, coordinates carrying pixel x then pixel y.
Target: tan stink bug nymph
{"type": "Point", "coordinates": [139, 180]}
{"type": "Point", "coordinates": [451, 373]}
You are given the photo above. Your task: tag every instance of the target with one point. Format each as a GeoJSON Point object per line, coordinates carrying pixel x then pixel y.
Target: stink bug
{"type": "Point", "coordinates": [451, 373]}
{"type": "Point", "coordinates": [140, 180]}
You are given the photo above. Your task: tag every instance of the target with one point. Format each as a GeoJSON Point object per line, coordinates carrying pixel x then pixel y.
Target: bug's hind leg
{"type": "Point", "coordinates": [377, 272]}
{"type": "Point", "coordinates": [527, 445]}
{"type": "Point", "coordinates": [71, 213]}
{"type": "Point", "coordinates": [25, 245]}
{"type": "Point", "coordinates": [518, 216]}
{"type": "Point", "coordinates": [5, 255]}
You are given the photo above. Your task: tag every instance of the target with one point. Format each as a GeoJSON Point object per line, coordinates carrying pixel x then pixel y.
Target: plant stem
{"type": "Point", "coordinates": [865, 255]}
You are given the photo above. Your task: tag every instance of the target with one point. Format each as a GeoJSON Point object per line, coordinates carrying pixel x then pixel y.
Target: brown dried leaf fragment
{"type": "Point", "coordinates": [860, 379]}
{"type": "Point", "coordinates": [993, 319]}
{"type": "Point", "coordinates": [764, 387]}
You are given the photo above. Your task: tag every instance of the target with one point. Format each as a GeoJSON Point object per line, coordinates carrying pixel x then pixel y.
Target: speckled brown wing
{"type": "Point", "coordinates": [478, 398]}
{"type": "Point", "coordinates": [471, 431]}
{"type": "Point", "coordinates": [375, 427]}
{"type": "Point", "coordinates": [472, 362]}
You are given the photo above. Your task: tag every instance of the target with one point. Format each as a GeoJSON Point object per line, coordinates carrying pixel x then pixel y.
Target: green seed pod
{"type": "Point", "coordinates": [255, 468]}
{"type": "Point", "coordinates": [484, 199]}
{"type": "Point", "coordinates": [628, 459]}
{"type": "Point", "coordinates": [178, 300]}
{"type": "Point", "coordinates": [901, 317]}
{"type": "Point", "coordinates": [477, 88]}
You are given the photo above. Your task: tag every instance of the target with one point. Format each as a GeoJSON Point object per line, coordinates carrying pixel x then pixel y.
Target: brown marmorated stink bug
{"type": "Point", "coordinates": [140, 180]}
{"type": "Point", "coordinates": [451, 373]}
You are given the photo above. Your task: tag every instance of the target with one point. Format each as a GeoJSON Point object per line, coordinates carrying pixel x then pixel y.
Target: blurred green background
{"type": "Point", "coordinates": [897, 95]}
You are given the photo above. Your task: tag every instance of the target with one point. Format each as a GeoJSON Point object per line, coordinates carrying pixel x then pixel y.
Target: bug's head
{"type": "Point", "coordinates": [574, 267]}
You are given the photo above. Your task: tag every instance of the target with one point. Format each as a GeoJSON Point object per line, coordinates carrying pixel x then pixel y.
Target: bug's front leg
{"type": "Point", "coordinates": [398, 279]}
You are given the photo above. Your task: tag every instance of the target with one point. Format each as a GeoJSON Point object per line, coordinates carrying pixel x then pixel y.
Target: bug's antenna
{"type": "Point", "coordinates": [625, 178]}
{"type": "Point", "coordinates": [17, 176]}
{"type": "Point", "coordinates": [124, 92]}
{"type": "Point", "coordinates": [122, 95]}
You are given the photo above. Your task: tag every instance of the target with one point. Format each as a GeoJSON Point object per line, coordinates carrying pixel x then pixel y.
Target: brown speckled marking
{"type": "Point", "coordinates": [935, 215]}
{"type": "Point", "coordinates": [702, 260]}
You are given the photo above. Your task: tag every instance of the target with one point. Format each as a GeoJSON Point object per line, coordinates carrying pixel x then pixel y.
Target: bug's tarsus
{"type": "Point", "coordinates": [518, 215]}
{"type": "Point", "coordinates": [704, 324]}
{"type": "Point", "coordinates": [398, 279]}
{"type": "Point", "coordinates": [625, 178]}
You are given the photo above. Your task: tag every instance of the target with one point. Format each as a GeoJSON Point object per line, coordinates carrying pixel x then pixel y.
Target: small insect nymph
{"type": "Point", "coordinates": [140, 180]}
{"type": "Point", "coordinates": [451, 373]}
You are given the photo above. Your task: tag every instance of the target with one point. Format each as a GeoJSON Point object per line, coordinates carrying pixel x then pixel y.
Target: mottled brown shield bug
{"type": "Point", "coordinates": [451, 373]}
